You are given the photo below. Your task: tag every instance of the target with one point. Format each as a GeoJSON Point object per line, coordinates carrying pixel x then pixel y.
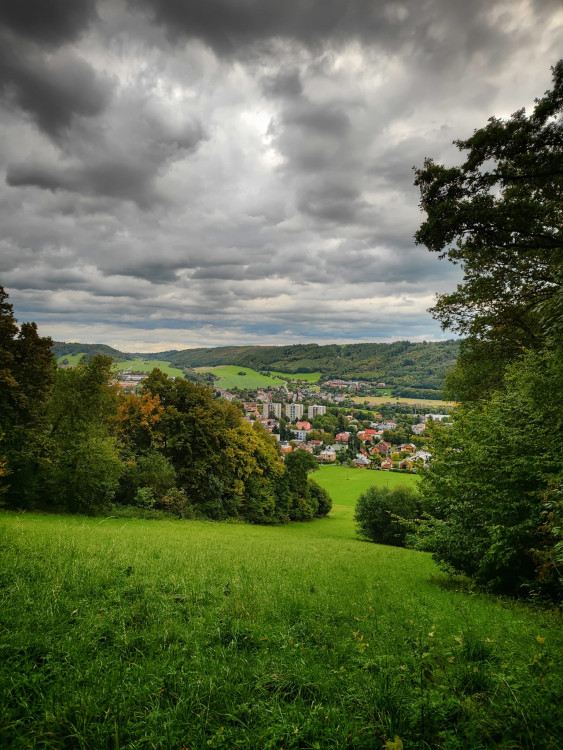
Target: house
{"type": "Point", "coordinates": [305, 447]}
{"type": "Point", "coordinates": [300, 435]}
{"type": "Point", "coordinates": [338, 447]}
{"type": "Point", "coordinates": [307, 426]}
{"type": "Point", "coordinates": [342, 437]}
{"type": "Point", "coordinates": [315, 443]}
{"type": "Point", "coordinates": [327, 455]}
{"type": "Point", "coordinates": [285, 448]}
{"type": "Point", "coordinates": [361, 462]}
{"type": "Point", "coordinates": [386, 464]}
{"type": "Point", "coordinates": [382, 448]}
{"type": "Point", "coordinates": [406, 448]}
{"type": "Point", "coordinates": [418, 429]}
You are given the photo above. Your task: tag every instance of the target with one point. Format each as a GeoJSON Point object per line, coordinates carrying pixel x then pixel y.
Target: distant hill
{"type": "Point", "coordinates": [414, 369]}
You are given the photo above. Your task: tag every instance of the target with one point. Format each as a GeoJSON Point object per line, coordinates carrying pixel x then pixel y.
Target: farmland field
{"type": "Point", "coordinates": [148, 365]}
{"type": "Point", "coordinates": [230, 378]}
{"type": "Point", "coordinates": [182, 634]}
{"type": "Point", "coordinates": [391, 399]}
{"type": "Point", "coordinates": [309, 377]}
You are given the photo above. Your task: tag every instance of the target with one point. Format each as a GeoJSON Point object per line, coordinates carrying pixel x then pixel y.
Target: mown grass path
{"type": "Point", "coordinates": [193, 635]}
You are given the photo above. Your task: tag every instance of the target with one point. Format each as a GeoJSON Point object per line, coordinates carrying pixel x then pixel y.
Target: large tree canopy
{"type": "Point", "coordinates": [494, 488]}
{"type": "Point", "coordinates": [499, 215]}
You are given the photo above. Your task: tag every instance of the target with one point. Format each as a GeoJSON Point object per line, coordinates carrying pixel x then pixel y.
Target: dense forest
{"type": "Point", "coordinates": [407, 365]}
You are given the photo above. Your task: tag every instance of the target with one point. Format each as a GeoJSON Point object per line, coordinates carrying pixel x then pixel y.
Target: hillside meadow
{"type": "Point", "coordinates": [148, 365]}
{"type": "Point", "coordinates": [230, 377]}
{"type": "Point", "coordinates": [181, 634]}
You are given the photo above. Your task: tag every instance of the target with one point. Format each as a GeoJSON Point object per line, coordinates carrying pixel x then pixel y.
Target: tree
{"type": "Point", "coordinates": [379, 509]}
{"type": "Point", "coordinates": [499, 215]}
{"type": "Point", "coordinates": [85, 465]}
{"type": "Point", "coordinates": [495, 508]}
{"type": "Point", "coordinates": [27, 369]}
{"type": "Point", "coordinates": [494, 500]}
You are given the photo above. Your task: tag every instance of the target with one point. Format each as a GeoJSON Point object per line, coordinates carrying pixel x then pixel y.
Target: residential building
{"type": "Point", "coordinates": [294, 412]}
{"type": "Point", "coordinates": [272, 408]}
{"type": "Point", "coordinates": [315, 410]}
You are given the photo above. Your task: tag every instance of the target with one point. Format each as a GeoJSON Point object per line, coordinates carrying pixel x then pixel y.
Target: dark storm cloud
{"type": "Point", "coordinates": [227, 25]}
{"type": "Point", "coordinates": [50, 22]}
{"type": "Point", "coordinates": [283, 84]}
{"type": "Point", "coordinates": [218, 171]}
{"type": "Point", "coordinates": [52, 91]}
{"type": "Point", "coordinates": [128, 180]}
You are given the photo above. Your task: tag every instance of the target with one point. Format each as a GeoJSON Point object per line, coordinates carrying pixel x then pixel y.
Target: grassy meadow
{"type": "Point", "coordinates": [230, 378]}
{"type": "Point", "coordinates": [309, 377]}
{"type": "Point", "coordinates": [70, 359]}
{"type": "Point", "coordinates": [182, 634]}
{"type": "Point", "coordinates": [147, 365]}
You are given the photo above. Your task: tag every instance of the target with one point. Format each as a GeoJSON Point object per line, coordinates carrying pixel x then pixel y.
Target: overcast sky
{"type": "Point", "coordinates": [205, 172]}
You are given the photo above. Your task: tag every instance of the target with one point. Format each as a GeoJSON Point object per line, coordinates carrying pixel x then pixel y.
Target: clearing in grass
{"type": "Point", "coordinates": [172, 634]}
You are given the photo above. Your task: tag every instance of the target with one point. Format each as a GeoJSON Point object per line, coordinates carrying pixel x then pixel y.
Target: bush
{"type": "Point", "coordinates": [377, 509]}
{"type": "Point", "coordinates": [176, 501]}
{"type": "Point", "coordinates": [321, 497]}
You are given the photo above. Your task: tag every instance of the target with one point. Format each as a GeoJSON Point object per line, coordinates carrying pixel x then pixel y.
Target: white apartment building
{"type": "Point", "coordinates": [312, 411]}
{"type": "Point", "coordinates": [271, 408]}
{"type": "Point", "coordinates": [294, 412]}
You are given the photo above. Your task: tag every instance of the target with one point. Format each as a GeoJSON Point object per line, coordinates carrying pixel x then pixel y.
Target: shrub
{"type": "Point", "coordinates": [176, 501]}
{"type": "Point", "coordinates": [321, 496]}
{"type": "Point", "coordinates": [377, 510]}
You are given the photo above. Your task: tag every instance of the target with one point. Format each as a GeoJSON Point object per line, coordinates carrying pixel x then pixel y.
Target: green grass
{"type": "Point", "coordinates": [309, 377]}
{"type": "Point", "coordinates": [229, 377]}
{"type": "Point", "coordinates": [184, 634]}
{"type": "Point", "coordinates": [148, 365]}
{"type": "Point", "coordinates": [70, 359]}
{"type": "Point", "coordinates": [346, 485]}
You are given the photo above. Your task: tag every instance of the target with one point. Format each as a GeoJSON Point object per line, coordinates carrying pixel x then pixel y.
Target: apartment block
{"type": "Point", "coordinates": [294, 412]}
{"type": "Point", "coordinates": [272, 409]}
{"type": "Point", "coordinates": [312, 411]}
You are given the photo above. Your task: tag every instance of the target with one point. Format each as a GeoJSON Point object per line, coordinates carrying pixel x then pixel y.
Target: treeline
{"type": "Point", "coordinates": [71, 441]}
{"type": "Point", "coordinates": [402, 363]}
{"type": "Point", "coordinates": [493, 495]}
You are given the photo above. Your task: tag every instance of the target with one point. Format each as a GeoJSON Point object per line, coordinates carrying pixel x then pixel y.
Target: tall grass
{"type": "Point", "coordinates": [176, 634]}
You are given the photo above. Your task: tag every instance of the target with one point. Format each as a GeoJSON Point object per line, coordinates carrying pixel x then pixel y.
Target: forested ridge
{"type": "Point", "coordinates": [406, 364]}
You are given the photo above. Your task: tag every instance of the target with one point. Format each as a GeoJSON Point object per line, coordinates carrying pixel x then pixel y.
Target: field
{"type": "Point", "coordinates": [230, 378]}
{"type": "Point", "coordinates": [71, 359]}
{"type": "Point", "coordinates": [346, 485]}
{"type": "Point", "coordinates": [147, 365]}
{"type": "Point", "coordinates": [180, 634]}
{"type": "Point", "coordinates": [309, 377]}
{"type": "Point", "coordinates": [386, 399]}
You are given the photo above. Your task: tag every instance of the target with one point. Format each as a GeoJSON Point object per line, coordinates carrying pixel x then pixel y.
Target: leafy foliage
{"type": "Point", "coordinates": [380, 511]}
{"type": "Point", "coordinates": [494, 486]}
{"type": "Point", "coordinates": [500, 215]}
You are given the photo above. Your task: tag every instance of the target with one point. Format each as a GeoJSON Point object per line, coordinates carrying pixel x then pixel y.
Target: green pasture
{"type": "Point", "coordinates": [345, 485]}
{"type": "Point", "coordinates": [71, 359]}
{"type": "Point", "coordinates": [230, 378]}
{"type": "Point", "coordinates": [182, 634]}
{"type": "Point", "coordinates": [309, 377]}
{"type": "Point", "coordinates": [148, 365]}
